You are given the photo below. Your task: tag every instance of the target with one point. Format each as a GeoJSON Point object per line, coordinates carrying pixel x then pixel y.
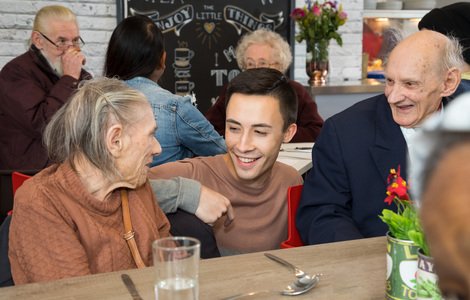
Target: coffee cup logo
{"type": "Point", "coordinates": [183, 56]}
{"type": "Point", "coordinates": [183, 87]}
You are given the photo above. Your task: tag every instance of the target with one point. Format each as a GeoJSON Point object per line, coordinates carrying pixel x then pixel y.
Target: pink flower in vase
{"type": "Point", "coordinates": [316, 10]}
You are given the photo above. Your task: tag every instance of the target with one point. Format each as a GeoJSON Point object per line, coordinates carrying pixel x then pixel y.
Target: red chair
{"type": "Point", "coordinates": [17, 180]}
{"type": "Point", "coordinates": [293, 198]}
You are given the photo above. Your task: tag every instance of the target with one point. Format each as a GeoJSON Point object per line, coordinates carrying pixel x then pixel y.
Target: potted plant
{"type": "Point", "coordinates": [410, 269]}
{"type": "Point", "coordinates": [318, 24]}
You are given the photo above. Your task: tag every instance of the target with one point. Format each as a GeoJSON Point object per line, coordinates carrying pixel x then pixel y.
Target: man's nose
{"type": "Point", "coordinates": [246, 142]}
{"type": "Point", "coordinates": [394, 93]}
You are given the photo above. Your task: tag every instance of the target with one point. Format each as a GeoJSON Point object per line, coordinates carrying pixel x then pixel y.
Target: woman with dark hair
{"type": "Point", "coordinates": [136, 54]}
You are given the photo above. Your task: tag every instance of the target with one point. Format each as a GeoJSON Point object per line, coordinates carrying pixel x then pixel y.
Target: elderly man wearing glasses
{"type": "Point", "coordinates": [267, 49]}
{"type": "Point", "coordinates": [36, 84]}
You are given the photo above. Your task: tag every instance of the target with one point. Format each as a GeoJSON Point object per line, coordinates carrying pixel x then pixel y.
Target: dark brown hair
{"type": "Point", "coordinates": [269, 82]}
{"type": "Point", "coordinates": [135, 49]}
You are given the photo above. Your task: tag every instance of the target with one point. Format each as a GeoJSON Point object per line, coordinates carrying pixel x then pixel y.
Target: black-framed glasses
{"type": "Point", "coordinates": [261, 64]}
{"type": "Point", "coordinates": [63, 46]}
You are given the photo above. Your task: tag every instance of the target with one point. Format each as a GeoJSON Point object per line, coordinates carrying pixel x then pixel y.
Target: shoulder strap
{"type": "Point", "coordinates": [129, 235]}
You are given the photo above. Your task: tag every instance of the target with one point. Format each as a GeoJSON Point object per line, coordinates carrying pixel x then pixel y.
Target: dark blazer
{"type": "Point", "coordinates": [464, 87]}
{"type": "Point", "coordinates": [344, 192]}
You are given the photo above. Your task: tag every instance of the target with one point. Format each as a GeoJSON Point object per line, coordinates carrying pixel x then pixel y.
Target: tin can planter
{"type": "Point", "coordinates": [427, 278]}
{"type": "Point", "coordinates": [402, 266]}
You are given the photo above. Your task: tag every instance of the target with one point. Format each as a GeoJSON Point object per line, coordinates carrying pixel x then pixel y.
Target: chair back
{"type": "Point", "coordinates": [17, 180]}
{"type": "Point", "coordinates": [6, 279]}
{"type": "Point", "coordinates": [293, 198]}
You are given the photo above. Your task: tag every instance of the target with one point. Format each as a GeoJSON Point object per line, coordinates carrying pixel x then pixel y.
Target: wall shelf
{"type": "Point", "coordinates": [394, 14]}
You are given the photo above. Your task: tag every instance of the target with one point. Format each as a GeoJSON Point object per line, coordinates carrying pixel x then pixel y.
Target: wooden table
{"type": "Point", "coordinates": [293, 155]}
{"type": "Point", "coordinates": [351, 270]}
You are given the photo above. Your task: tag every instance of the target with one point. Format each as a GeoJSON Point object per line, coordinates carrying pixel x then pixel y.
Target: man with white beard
{"type": "Point", "coordinates": [36, 84]}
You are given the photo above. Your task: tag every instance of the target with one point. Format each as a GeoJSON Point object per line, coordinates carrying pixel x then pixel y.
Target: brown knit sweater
{"type": "Point", "coordinates": [60, 230]}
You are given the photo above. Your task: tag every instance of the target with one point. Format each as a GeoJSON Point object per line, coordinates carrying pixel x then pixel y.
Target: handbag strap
{"type": "Point", "coordinates": [129, 235]}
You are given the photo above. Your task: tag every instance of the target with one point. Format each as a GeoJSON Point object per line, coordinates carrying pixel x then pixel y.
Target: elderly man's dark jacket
{"type": "Point", "coordinates": [30, 93]}
{"type": "Point", "coordinates": [344, 192]}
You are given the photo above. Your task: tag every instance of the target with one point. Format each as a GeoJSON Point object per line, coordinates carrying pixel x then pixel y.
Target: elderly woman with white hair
{"type": "Point", "coordinates": [93, 211]}
{"type": "Point", "coordinates": [263, 48]}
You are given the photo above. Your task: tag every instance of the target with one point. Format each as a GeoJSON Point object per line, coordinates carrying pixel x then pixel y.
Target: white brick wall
{"type": "Point", "coordinates": [97, 19]}
{"type": "Point", "coordinates": [346, 61]}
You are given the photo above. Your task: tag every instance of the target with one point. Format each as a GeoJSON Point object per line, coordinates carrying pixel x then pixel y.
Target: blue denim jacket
{"type": "Point", "coordinates": [182, 129]}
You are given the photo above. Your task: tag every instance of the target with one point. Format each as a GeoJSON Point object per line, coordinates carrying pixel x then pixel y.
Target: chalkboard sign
{"type": "Point", "coordinates": [201, 36]}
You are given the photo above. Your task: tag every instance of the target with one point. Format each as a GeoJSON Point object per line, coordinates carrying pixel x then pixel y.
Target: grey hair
{"type": "Point", "coordinates": [281, 50]}
{"type": "Point", "coordinates": [78, 129]}
{"type": "Point", "coordinates": [452, 55]}
{"type": "Point", "coordinates": [52, 12]}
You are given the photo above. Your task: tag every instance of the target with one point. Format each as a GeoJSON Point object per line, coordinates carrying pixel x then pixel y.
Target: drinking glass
{"type": "Point", "coordinates": [176, 263]}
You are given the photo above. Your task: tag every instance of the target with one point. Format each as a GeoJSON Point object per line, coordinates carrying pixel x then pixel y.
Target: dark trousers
{"type": "Point", "coordinates": [186, 224]}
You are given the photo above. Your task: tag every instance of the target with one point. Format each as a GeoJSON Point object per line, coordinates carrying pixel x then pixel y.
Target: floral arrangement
{"type": "Point", "coordinates": [319, 22]}
{"type": "Point", "coordinates": [405, 223]}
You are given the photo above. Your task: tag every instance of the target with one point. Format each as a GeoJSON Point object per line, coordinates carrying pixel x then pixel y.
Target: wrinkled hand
{"type": "Point", "coordinates": [213, 206]}
{"type": "Point", "coordinates": [72, 62]}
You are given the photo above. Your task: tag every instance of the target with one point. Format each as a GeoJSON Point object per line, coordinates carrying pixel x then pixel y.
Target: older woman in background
{"type": "Point", "coordinates": [68, 219]}
{"type": "Point", "coordinates": [267, 49]}
{"type": "Point", "coordinates": [136, 54]}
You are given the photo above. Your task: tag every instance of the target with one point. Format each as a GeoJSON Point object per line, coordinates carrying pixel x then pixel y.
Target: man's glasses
{"type": "Point", "coordinates": [62, 46]}
{"type": "Point", "coordinates": [261, 64]}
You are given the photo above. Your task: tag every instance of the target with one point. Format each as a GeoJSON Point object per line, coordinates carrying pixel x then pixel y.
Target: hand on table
{"type": "Point", "coordinates": [213, 206]}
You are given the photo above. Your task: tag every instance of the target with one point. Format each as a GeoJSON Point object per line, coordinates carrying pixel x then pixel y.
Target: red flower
{"type": "Point", "coordinates": [397, 187]}
{"type": "Point", "coordinates": [297, 13]}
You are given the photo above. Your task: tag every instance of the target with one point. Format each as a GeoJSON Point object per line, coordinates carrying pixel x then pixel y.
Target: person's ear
{"type": "Point", "coordinates": [290, 132]}
{"type": "Point", "coordinates": [114, 140]}
{"type": "Point", "coordinates": [37, 40]}
{"type": "Point", "coordinates": [451, 81]}
{"type": "Point", "coordinates": [162, 61]}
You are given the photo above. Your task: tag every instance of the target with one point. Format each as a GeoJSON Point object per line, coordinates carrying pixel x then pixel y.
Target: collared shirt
{"type": "Point", "coordinates": [410, 133]}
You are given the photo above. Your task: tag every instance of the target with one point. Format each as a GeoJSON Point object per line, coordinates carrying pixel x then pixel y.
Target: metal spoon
{"type": "Point", "coordinates": [298, 273]}
{"type": "Point", "coordinates": [299, 287]}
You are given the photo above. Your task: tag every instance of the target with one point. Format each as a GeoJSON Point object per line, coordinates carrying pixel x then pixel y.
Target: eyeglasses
{"type": "Point", "coordinates": [62, 46]}
{"type": "Point", "coordinates": [261, 64]}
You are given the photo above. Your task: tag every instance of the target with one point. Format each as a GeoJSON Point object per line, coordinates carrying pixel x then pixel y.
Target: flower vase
{"type": "Point", "coordinates": [427, 278]}
{"type": "Point", "coordinates": [402, 266]}
{"type": "Point", "coordinates": [317, 63]}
